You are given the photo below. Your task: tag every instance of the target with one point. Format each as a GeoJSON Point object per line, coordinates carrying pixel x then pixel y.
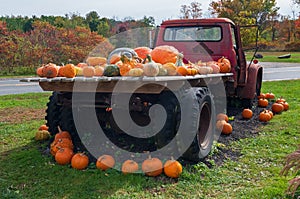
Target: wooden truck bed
{"type": "Point", "coordinates": [107, 84]}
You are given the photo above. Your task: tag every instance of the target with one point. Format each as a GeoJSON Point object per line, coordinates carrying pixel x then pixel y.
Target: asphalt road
{"type": "Point", "coordinates": [272, 72]}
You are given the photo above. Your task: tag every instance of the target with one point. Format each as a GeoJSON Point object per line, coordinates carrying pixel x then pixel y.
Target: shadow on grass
{"type": "Point", "coordinates": [28, 172]}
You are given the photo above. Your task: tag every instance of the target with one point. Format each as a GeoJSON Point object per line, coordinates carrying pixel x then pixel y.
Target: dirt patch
{"type": "Point", "coordinates": [19, 115]}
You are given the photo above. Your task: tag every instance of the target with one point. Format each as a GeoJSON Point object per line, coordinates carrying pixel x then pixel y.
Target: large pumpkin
{"type": "Point", "coordinates": [80, 161]}
{"type": "Point", "coordinates": [63, 156]}
{"type": "Point", "coordinates": [143, 51]}
{"type": "Point", "coordinates": [164, 54]}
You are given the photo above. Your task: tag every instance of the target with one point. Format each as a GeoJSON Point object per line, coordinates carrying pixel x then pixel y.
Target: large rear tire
{"type": "Point", "coordinates": [203, 141]}
{"type": "Point", "coordinates": [53, 113]}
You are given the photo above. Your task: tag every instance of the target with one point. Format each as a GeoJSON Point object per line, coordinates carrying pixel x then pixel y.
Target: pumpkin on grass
{"type": "Point", "coordinates": [264, 116]}
{"type": "Point", "coordinates": [222, 116]}
{"type": "Point", "coordinates": [129, 166]}
{"type": "Point", "coordinates": [42, 135]}
{"type": "Point", "coordinates": [263, 102]}
{"type": "Point", "coordinates": [247, 113]}
{"type": "Point", "coordinates": [62, 134]}
{"type": "Point", "coordinates": [172, 168]}
{"type": "Point", "coordinates": [277, 108]}
{"type": "Point", "coordinates": [152, 166]}
{"type": "Point", "coordinates": [60, 143]}
{"type": "Point", "coordinates": [43, 127]}
{"type": "Point", "coordinates": [105, 162]}
{"type": "Point", "coordinates": [80, 161]}
{"type": "Point", "coordinates": [63, 156]}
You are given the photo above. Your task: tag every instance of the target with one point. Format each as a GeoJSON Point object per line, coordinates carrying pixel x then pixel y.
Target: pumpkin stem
{"type": "Point", "coordinates": [59, 129]}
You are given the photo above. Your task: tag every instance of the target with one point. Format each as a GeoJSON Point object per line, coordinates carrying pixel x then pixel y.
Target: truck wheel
{"type": "Point", "coordinates": [53, 113]}
{"type": "Point", "coordinates": [203, 141]}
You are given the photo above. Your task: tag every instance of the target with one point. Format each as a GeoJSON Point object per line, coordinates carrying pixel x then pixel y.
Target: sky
{"type": "Point", "coordinates": [119, 9]}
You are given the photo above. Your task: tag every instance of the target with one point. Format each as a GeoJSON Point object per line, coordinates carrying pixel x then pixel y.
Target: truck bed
{"type": "Point", "coordinates": [125, 84]}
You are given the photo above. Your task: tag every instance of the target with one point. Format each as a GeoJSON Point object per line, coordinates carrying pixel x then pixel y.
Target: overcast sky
{"type": "Point", "coordinates": [159, 9]}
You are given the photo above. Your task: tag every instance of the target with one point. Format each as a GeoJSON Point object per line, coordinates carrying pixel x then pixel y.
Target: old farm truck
{"type": "Point", "coordinates": [166, 115]}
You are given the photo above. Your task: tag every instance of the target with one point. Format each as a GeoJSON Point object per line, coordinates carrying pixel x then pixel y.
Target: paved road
{"type": "Point", "coordinates": [272, 72]}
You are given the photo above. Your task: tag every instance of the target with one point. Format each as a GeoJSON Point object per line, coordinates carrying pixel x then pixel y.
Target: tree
{"type": "Point", "coordinates": [193, 11]}
{"type": "Point", "coordinates": [93, 20]}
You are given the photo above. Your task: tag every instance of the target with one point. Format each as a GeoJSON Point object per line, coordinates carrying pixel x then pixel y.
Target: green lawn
{"type": "Point", "coordinates": [273, 56]}
{"type": "Point", "coordinates": [26, 172]}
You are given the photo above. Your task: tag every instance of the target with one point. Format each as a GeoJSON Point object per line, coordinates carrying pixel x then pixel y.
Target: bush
{"type": "Point", "coordinates": [294, 46]}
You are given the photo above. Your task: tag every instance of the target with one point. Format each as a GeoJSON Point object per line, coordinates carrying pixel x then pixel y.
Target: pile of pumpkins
{"type": "Point", "coordinates": [277, 106]}
{"type": "Point", "coordinates": [163, 60]}
{"type": "Point", "coordinates": [62, 150]}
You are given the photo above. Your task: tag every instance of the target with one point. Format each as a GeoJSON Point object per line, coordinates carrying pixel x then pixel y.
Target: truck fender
{"type": "Point", "coordinates": [253, 84]}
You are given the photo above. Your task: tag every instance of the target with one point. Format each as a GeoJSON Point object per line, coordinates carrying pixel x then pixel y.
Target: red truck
{"type": "Point", "coordinates": [187, 126]}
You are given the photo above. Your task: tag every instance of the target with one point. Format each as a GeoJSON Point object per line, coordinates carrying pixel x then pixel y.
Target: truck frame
{"type": "Point", "coordinates": [191, 103]}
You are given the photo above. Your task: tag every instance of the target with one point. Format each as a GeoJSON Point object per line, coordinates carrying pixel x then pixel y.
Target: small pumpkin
{"type": "Point", "coordinates": [50, 70]}
{"type": "Point", "coordinates": [99, 70]}
{"type": "Point", "coordinates": [135, 72]}
{"type": "Point", "coordinates": [162, 71]}
{"type": "Point", "coordinates": [105, 162]}
{"type": "Point", "coordinates": [270, 95]}
{"type": "Point", "coordinates": [261, 96]}
{"type": "Point", "coordinates": [192, 70]}
{"type": "Point", "coordinates": [143, 51]}
{"type": "Point", "coordinates": [286, 106]}
{"type": "Point", "coordinates": [69, 70]}
{"type": "Point", "coordinates": [172, 168]}
{"type": "Point", "coordinates": [280, 100]}
{"type": "Point", "coordinates": [62, 134]}
{"type": "Point", "coordinates": [78, 71]}
{"type": "Point", "coordinates": [129, 166]}
{"type": "Point", "coordinates": [111, 70]}
{"type": "Point", "coordinates": [60, 143]}
{"type": "Point", "coordinates": [164, 54]}
{"type": "Point", "coordinates": [152, 166]}
{"type": "Point", "coordinates": [39, 71]}
{"type": "Point", "coordinates": [270, 113]}
{"type": "Point", "coordinates": [224, 64]}
{"type": "Point", "coordinates": [82, 65]}
{"type": "Point", "coordinates": [151, 68]}
{"type": "Point", "coordinates": [63, 156]}
{"type": "Point", "coordinates": [263, 102]}
{"type": "Point", "coordinates": [42, 135]}
{"type": "Point", "coordinates": [115, 58]}
{"type": "Point", "coordinates": [215, 67]}
{"type": "Point", "coordinates": [247, 113]}
{"type": "Point", "coordinates": [277, 108]}
{"type": "Point", "coordinates": [43, 127]}
{"type": "Point", "coordinates": [222, 116]}
{"type": "Point", "coordinates": [80, 161]}
{"type": "Point", "coordinates": [264, 116]}
{"type": "Point", "coordinates": [171, 68]}
{"type": "Point", "coordinates": [125, 66]}
{"type": "Point", "coordinates": [227, 128]}
{"type": "Point", "coordinates": [204, 70]}
{"type": "Point", "coordinates": [88, 71]}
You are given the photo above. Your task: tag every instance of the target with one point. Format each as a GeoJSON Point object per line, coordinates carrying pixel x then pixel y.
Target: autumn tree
{"type": "Point", "coordinates": [193, 11]}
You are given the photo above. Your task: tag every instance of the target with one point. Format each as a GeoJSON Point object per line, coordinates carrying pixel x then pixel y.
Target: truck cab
{"type": "Point", "coordinates": [208, 40]}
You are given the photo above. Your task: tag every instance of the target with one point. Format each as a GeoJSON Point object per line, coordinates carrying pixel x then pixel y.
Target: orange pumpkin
{"type": "Point", "coordinates": [50, 70]}
{"type": "Point", "coordinates": [129, 166]}
{"type": "Point", "coordinates": [222, 116]}
{"type": "Point", "coordinates": [270, 95]}
{"type": "Point", "coordinates": [277, 108]}
{"type": "Point", "coordinates": [82, 64]}
{"type": "Point", "coordinates": [263, 102]}
{"type": "Point", "coordinates": [192, 70]}
{"type": "Point", "coordinates": [39, 71]}
{"type": "Point", "coordinates": [264, 116]}
{"type": "Point", "coordinates": [247, 113]}
{"type": "Point", "coordinates": [286, 105]}
{"type": "Point", "coordinates": [99, 70]}
{"type": "Point", "coordinates": [125, 66]}
{"type": "Point", "coordinates": [172, 168]}
{"type": "Point", "coordinates": [43, 127]}
{"type": "Point", "coordinates": [143, 51]}
{"type": "Point", "coordinates": [69, 71]}
{"type": "Point", "coordinates": [164, 54]}
{"type": "Point", "coordinates": [80, 161]}
{"type": "Point", "coordinates": [63, 156]}
{"type": "Point", "coordinates": [60, 143]}
{"type": "Point", "coordinates": [152, 166]}
{"type": "Point", "coordinates": [62, 134]}
{"type": "Point", "coordinates": [115, 58]}
{"type": "Point", "coordinates": [224, 64]}
{"type": "Point", "coordinates": [227, 128]}
{"type": "Point", "coordinates": [182, 70]}
{"type": "Point", "coordinates": [105, 162]}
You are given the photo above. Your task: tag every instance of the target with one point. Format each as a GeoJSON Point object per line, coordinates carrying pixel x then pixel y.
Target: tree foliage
{"type": "Point", "coordinates": [193, 11]}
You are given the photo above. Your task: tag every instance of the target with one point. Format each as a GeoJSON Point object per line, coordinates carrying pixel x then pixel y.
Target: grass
{"type": "Point", "coordinates": [273, 57]}
{"type": "Point", "coordinates": [26, 172]}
